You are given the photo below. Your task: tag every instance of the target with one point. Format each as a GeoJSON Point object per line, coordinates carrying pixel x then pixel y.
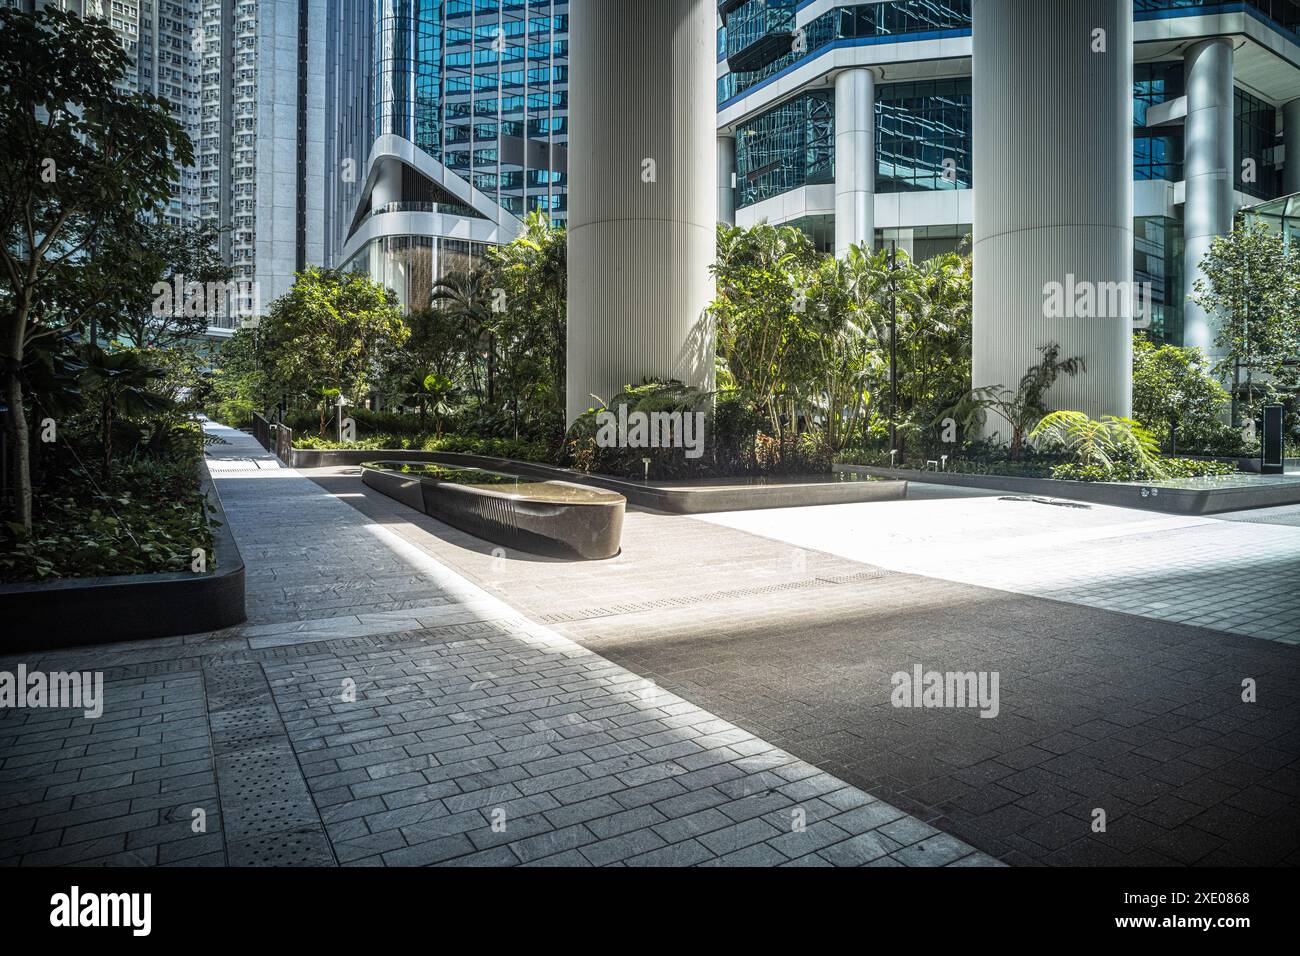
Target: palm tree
{"type": "Point", "coordinates": [466, 298]}
{"type": "Point", "coordinates": [760, 328]}
{"type": "Point", "coordinates": [848, 353]}
{"type": "Point", "coordinates": [431, 392]}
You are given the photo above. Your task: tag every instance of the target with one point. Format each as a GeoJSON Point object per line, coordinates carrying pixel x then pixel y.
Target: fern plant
{"type": "Point", "coordinates": [1023, 408]}
{"type": "Point", "coordinates": [1102, 442]}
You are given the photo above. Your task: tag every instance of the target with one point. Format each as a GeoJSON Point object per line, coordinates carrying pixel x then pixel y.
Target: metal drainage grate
{"type": "Point", "coordinates": [291, 651]}
{"type": "Point", "coordinates": [270, 816]}
{"type": "Point", "coordinates": [242, 720]}
{"type": "Point", "coordinates": [266, 785]}
{"type": "Point", "coordinates": [305, 846]}
{"type": "Point", "coordinates": [232, 681]}
{"type": "Point", "coordinates": [256, 760]}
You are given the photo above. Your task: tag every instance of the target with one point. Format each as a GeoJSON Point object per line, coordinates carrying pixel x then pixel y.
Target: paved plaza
{"type": "Point", "coordinates": [1139, 716]}
{"type": "Point", "coordinates": [380, 709]}
{"type": "Point", "coordinates": [718, 694]}
{"type": "Point", "coordinates": [1238, 572]}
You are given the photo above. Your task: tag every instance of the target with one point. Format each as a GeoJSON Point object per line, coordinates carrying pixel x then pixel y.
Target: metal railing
{"type": "Point", "coordinates": [262, 430]}
{"type": "Point", "coordinates": [284, 443]}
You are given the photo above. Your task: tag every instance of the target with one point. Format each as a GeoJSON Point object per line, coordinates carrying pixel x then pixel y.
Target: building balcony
{"type": "Point", "coordinates": [758, 31]}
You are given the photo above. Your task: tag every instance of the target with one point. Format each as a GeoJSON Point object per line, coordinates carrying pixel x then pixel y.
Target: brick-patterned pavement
{"type": "Point", "coordinates": [379, 709]}
{"type": "Point", "coordinates": [1139, 717]}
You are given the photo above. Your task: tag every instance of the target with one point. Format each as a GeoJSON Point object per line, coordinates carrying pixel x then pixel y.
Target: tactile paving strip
{"type": "Point", "coordinates": [268, 815]}
{"type": "Point", "coordinates": [306, 846]}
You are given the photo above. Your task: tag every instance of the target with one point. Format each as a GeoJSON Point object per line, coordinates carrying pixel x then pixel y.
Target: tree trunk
{"type": "Point", "coordinates": [106, 435]}
{"type": "Point", "coordinates": [22, 474]}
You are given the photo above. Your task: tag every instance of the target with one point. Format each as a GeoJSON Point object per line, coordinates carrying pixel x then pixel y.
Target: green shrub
{"type": "Point", "coordinates": [147, 519]}
{"type": "Point", "coordinates": [1132, 471]}
{"type": "Point", "coordinates": [459, 444]}
{"type": "Point", "coordinates": [650, 397]}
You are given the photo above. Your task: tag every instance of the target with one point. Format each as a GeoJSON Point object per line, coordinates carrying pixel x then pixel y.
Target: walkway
{"type": "Point", "coordinates": [379, 708]}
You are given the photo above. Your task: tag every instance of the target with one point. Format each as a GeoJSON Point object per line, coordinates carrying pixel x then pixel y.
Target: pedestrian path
{"type": "Point", "coordinates": [380, 709]}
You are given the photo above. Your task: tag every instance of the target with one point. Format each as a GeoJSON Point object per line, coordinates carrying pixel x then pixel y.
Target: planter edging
{"type": "Point", "coordinates": [1184, 501]}
{"type": "Point", "coordinates": [655, 497]}
{"type": "Point", "coordinates": [68, 612]}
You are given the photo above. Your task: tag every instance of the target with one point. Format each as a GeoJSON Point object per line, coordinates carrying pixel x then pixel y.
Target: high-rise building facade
{"type": "Point", "coordinates": [260, 145]}
{"type": "Point", "coordinates": [242, 79]}
{"type": "Point", "coordinates": [447, 123]}
{"type": "Point", "coordinates": [160, 37]}
{"type": "Point", "coordinates": [923, 121]}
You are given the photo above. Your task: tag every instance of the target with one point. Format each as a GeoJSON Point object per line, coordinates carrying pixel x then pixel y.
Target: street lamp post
{"type": "Point", "coordinates": [893, 349]}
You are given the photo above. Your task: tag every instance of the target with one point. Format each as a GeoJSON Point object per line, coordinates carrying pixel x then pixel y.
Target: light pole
{"type": "Point", "coordinates": [893, 349]}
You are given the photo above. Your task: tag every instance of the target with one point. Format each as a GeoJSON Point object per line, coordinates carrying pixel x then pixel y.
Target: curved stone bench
{"type": "Point", "coordinates": [557, 518]}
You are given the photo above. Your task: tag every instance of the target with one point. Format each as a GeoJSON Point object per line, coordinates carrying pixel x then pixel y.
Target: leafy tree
{"type": "Point", "coordinates": [530, 297]}
{"type": "Point", "coordinates": [1250, 280]}
{"type": "Point", "coordinates": [187, 253]}
{"type": "Point", "coordinates": [83, 159]}
{"type": "Point", "coordinates": [239, 383]}
{"type": "Point", "coordinates": [329, 334]}
{"type": "Point", "coordinates": [766, 278]}
{"type": "Point", "coordinates": [1177, 397]}
{"type": "Point", "coordinates": [437, 343]}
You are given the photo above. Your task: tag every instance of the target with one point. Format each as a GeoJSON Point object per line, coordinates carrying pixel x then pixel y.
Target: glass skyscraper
{"type": "Point", "coordinates": [780, 63]}
{"type": "Point", "coordinates": [448, 125]}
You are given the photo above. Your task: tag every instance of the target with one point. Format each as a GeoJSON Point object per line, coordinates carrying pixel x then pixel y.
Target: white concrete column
{"type": "Point", "coordinates": [1053, 177]}
{"type": "Point", "coordinates": [388, 183]}
{"type": "Point", "coordinates": [643, 202]}
{"type": "Point", "coordinates": [726, 180]}
{"type": "Point", "coordinates": [1291, 137]}
{"type": "Point", "coordinates": [855, 159]}
{"type": "Point", "coordinates": [1208, 171]}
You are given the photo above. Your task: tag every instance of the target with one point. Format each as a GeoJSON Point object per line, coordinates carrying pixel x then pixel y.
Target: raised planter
{"type": "Point", "coordinates": [1251, 465]}
{"type": "Point", "coordinates": [555, 518]}
{"type": "Point", "coordinates": [1250, 492]}
{"type": "Point", "coordinates": [684, 497]}
{"type": "Point", "coordinates": [41, 615]}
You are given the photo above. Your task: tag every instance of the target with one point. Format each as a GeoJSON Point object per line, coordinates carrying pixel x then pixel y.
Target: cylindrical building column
{"type": "Point", "coordinates": [642, 200]}
{"type": "Point", "coordinates": [388, 183]}
{"type": "Point", "coordinates": [1291, 139]}
{"type": "Point", "coordinates": [855, 159]}
{"type": "Point", "coordinates": [1208, 170]}
{"type": "Point", "coordinates": [727, 180]}
{"type": "Point", "coordinates": [1053, 182]}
